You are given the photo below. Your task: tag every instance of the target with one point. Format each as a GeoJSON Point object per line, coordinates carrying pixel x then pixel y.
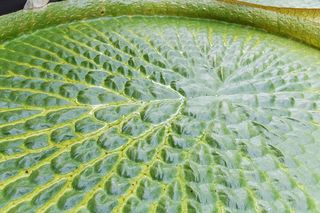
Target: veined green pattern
{"type": "Point", "coordinates": [141, 114]}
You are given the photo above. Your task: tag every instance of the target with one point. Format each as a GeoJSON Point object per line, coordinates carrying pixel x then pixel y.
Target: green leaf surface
{"type": "Point", "coordinates": [158, 114]}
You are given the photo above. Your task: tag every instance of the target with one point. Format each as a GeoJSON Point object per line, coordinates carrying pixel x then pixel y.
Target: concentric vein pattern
{"type": "Point", "coordinates": [138, 114]}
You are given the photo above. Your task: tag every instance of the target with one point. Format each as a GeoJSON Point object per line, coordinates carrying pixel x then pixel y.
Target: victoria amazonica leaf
{"type": "Point", "coordinates": [158, 114]}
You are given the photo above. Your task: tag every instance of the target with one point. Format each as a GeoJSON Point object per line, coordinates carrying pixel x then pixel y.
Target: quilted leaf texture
{"type": "Point", "coordinates": [155, 114]}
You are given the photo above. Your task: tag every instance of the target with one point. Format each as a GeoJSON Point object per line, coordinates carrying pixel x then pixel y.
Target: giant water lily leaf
{"type": "Point", "coordinates": [157, 114]}
{"type": "Point", "coordinates": [299, 10]}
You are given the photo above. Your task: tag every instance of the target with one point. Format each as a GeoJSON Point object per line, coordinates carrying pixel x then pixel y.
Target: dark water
{"type": "Point", "coordinates": [9, 6]}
